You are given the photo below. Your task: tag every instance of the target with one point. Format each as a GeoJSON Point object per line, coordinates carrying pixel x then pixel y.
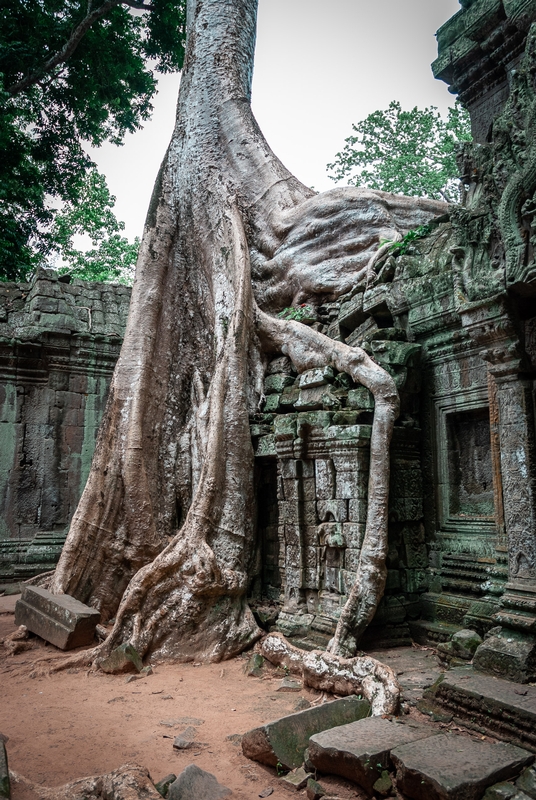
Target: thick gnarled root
{"type": "Point", "coordinates": [329, 673]}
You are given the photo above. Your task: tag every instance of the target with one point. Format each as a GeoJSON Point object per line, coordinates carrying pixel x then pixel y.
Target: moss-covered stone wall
{"type": "Point", "coordinates": [58, 346]}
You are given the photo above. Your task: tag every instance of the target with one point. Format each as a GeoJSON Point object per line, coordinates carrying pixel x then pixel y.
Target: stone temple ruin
{"type": "Point", "coordinates": [451, 314]}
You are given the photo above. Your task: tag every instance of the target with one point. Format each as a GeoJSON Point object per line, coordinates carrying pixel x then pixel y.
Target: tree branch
{"type": "Point", "coordinates": [72, 43]}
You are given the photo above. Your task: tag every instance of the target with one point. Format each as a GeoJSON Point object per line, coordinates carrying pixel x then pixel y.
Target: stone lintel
{"type": "Point", "coordinates": [59, 619]}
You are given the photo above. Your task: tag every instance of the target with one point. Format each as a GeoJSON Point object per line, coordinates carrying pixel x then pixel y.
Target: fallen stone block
{"type": "Point", "coordinates": [5, 785]}
{"type": "Point", "coordinates": [289, 685]}
{"type": "Point", "coordinates": [285, 740]}
{"type": "Point", "coordinates": [162, 787]}
{"type": "Point", "coordinates": [59, 619]}
{"type": "Point", "coordinates": [508, 658]}
{"type": "Point", "coordinates": [360, 751]}
{"type": "Point", "coordinates": [453, 767]}
{"type": "Point", "coordinates": [527, 782]}
{"type": "Point", "coordinates": [185, 739]}
{"type": "Point", "coordinates": [465, 643]}
{"type": "Point", "coordinates": [196, 784]}
{"type": "Point", "coordinates": [501, 791]}
{"type": "Point", "coordinates": [253, 668]}
{"type": "Point", "coordinates": [124, 658]}
{"type": "Point", "coordinates": [297, 779]}
{"type": "Point", "coordinates": [315, 790]}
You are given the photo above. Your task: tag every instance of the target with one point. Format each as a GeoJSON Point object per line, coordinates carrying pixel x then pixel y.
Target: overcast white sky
{"type": "Point", "coordinates": [320, 65]}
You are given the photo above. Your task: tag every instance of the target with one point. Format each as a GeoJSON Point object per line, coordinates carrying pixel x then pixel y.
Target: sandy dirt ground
{"type": "Point", "coordinates": [76, 723]}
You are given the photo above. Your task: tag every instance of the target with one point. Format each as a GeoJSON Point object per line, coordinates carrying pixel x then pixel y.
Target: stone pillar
{"type": "Point", "coordinates": [512, 652]}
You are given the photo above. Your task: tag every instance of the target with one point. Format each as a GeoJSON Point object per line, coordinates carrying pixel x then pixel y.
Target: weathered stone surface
{"type": "Point", "coordinates": [315, 790]}
{"type": "Point", "coordinates": [185, 739]}
{"type": "Point", "coordinates": [285, 740]}
{"type": "Point", "coordinates": [507, 657]}
{"type": "Point", "coordinates": [298, 778]}
{"type": "Point", "coordinates": [505, 709]}
{"type": "Point", "coordinates": [274, 384]}
{"type": "Point", "coordinates": [124, 658]}
{"type": "Point", "coordinates": [527, 782]}
{"type": "Point", "coordinates": [500, 791]}
{"type": "Point", "coordinates": [465, 643]}
{"type": "Point", "coordinates": [59, 346]}
{"type": "Point", "coordinates": [59, 619]}
{"type": "Point", "coordinates": [384, 785]}
{"type": "Point", "coordinates": [162, 787]}
{"type": "Point", "coordinates": [254, 666]}
{"type": "Point", "coordinates": [289, 685]}
{"type": "Point", "coordinates": [360, 751]}
{"type": "Point", "coordinates": [5, 785]}
{"type": "Point", "coordinates": [196, 784]}
{"type": "Point", "coordinates": [316, 377]}
{"type": "Point", "coordinates": [453, 767]}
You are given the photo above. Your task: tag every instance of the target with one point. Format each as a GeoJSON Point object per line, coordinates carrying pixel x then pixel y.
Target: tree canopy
{"type": "Point", "coordinates": [405, 152]}
{"type": "Point", "coordinates": [112, 257]}
{"type": "Point", "coordinates": [71, 72]}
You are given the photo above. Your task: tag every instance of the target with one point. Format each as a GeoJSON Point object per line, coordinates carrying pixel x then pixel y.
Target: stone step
{"type": "Point", "coordinates": [360, 751]}
{"type": "Point", "coordinates": [491, 705]}
{"type": "Point", "coordinates": [285, 740]}
{"type": "Point", "coordinates": [450, 766]}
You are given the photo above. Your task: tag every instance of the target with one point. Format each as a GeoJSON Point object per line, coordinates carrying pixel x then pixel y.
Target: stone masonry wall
{"type": "Point", "coordinates": [58, 346]}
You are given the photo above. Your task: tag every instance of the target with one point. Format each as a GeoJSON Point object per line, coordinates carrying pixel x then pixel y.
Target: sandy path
{"type": "Point", "coordinates": [68, 725]}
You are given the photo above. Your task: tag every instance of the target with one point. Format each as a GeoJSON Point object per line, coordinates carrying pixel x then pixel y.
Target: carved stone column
{"type": "Point", "coordinates": [490, 324]}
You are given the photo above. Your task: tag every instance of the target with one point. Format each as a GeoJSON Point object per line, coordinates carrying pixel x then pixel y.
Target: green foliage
{"type": "Point", "coordinates": [300, 313]}
{"type": "Point", "coordinates": [113, 257]}
{"type": "Point", "coordinates": [401, 247]}
{"type": "Point", "coordinates": [61, 85]}
{"type": "Point", "coordinates": [405, 152]}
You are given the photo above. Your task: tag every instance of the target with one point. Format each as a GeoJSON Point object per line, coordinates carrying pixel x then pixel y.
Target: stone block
{"type": "Point", "coordinates": [336, 510]}
{"type": "Point", "coordinates": [527, 782]}
{"type": "Point", "coordinates": [325, 479]}
{"type": "Point", "coordinates": [501, 791]}
{"type": "Point", "coordinates": [346, 485]}
{"type": "Point", "coordinates": [271, 405]}
{"type": "Point", "coordinates": [285, 740]}
{"type": "Point", "coordinates": [298, 778]}
{"type": "Point", "coordinates": [5, 784]}
{"type": "Point", "coordinates": [59, 619]}
{"type": "Point", "coordinates": [316, 377]}
{"type": "Point", "coordinates": [162, 786]}
{"type": "Point", "coordinates": [453, 767]}
{"type": "Point", "coordinates": [506, 657]}
{"type": "Point", "coordinates": [274, 384]}
{"type": "Point", "coordinates": [357, 509]}
{"type": "Point", "coordinates": [360, 750]}
{"type": "Point", "coordinates": [196, 784]}
{"type": "Point", "coordinates": [315, 790]}
{"type": "Point", "coordinates": [124, 658]}
{"type": "Point", "coordinates": [464, 643]}
{"type": "Point", "coordinates": [360, 399]}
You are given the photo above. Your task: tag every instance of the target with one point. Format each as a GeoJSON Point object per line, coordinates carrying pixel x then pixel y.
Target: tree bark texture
{"type": "Point", "coordinates": [163, 538]}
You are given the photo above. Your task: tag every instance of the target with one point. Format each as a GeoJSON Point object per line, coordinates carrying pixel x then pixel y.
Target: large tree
{"type": "Point", "coordinates": [164, 535]}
